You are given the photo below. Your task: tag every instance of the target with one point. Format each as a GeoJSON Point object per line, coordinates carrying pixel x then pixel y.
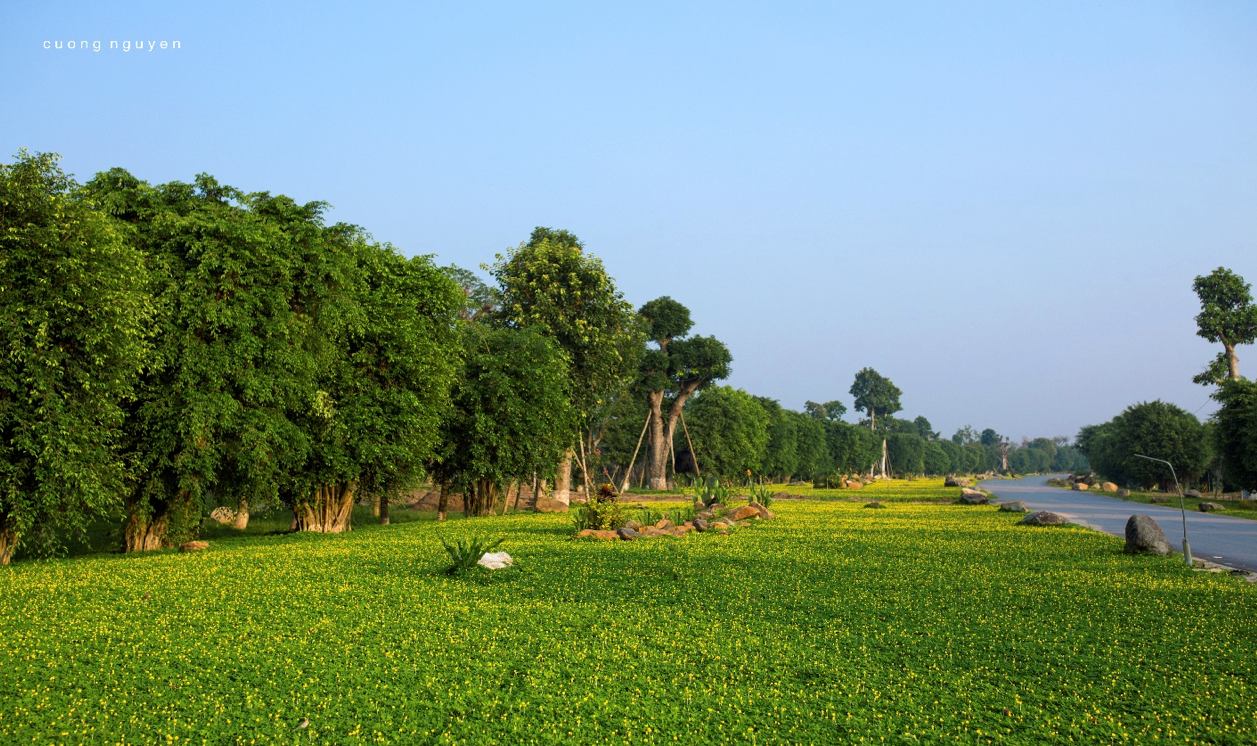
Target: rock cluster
{"type": "Point", "coordinates": [714, 518]}
{"type": "Point", "coordinates": [955, 482]}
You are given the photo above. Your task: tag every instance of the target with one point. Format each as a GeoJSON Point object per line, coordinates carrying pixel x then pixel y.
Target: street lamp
{"type": "Point", "coordinates": [1187, 550]}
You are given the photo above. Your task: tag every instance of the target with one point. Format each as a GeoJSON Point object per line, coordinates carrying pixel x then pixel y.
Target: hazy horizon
{"type": "Point", "coordinates": [1000, 208]}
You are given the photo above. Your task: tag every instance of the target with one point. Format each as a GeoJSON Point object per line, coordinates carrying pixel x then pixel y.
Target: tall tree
{"type": "Point", "coordinates": [679, 367]}
{"type": "Point", "coordinates": [238, 283]}
{"type": "Point", "coordinates": [391, 357]}
{"type": "Point", "coordinates": [73, 314]}
{"type": "Point", "coordinates": [875, 394]}
{"type": "Point", "coordinates": [1227, 315]}
{"type": "Point", "coordinates": [551, 283]}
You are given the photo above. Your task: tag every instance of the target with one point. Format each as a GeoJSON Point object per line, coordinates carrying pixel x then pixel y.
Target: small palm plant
{"type": "Point", "coordinates": [465, 554]}
{"type": "Point", "coordinates": [761, 494]}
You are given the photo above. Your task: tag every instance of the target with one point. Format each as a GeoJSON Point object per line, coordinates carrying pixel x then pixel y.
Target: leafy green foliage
{"type": "Point", "coordinates": [1227, 316]}
{"type": "Point", "coordinates": [1154, 429]}
{"type": "Point", "coordinates": [465, 553]}
{"type": "Point", "coordinates": [730, 431]}
{"type": "Point", "coordinates": [875, 394]}
{"type": "Point", "coordinates": [601, 511]}
{"type": "Point", "coordinates": [73, 320]}
{"type": "Point", "coordinates": [510, 415]}
{"type": "Point", "coordinates": [553, 286]}
{"type": "Point", "coordinates": [1235, 433]}
{"type": "Point", "coordinates": [830, 410]}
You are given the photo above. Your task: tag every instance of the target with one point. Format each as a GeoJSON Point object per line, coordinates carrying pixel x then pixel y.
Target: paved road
{"type": "Point", "coordinates": [1231, 541]}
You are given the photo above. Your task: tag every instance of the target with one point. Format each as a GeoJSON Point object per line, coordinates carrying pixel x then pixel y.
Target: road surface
{"type": "Point", "coordinates": [1222, 539]}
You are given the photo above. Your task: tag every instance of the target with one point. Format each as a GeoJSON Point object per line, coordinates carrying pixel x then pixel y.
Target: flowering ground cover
{"type": "Point", "coordinates": [931, 489]}
{"type": "Point", "coordinates": [833, 624]}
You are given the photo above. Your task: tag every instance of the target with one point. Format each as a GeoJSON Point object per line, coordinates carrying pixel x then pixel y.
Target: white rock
{"type": "Point", "coordinates": [495, 560]}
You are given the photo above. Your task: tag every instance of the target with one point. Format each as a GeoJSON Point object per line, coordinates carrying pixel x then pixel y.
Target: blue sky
{"type": "Point", "coordinates": [1000, 206]}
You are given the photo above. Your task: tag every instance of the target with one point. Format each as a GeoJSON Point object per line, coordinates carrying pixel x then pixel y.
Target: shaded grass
{"type": "Point", "coordinates": [832, 624]}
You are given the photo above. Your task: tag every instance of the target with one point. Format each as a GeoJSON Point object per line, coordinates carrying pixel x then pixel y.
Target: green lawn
{"type": "Point", "coordinates": [833, 624]}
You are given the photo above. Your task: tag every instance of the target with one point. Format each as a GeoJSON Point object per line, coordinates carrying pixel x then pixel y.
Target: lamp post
{"type": "Point", "coordinates": [1187, 550]}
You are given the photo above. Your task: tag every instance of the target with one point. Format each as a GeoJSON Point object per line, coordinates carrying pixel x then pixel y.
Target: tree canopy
{"type": "Point", "coordinates": [1227, 316]}
{"type": "Point", "coordinates": [875, 395]}
{"type": "Point", "coordinates": [73, 318]}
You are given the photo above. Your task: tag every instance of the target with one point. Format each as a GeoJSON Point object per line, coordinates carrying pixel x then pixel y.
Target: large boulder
{"type": "Point", "coordinates": [1012, 506]}
{"type": "Point", "coordinates": [1081, 486]}
{"type": "Point", "coordinates": [194, 546]}
{"type": "Point", "coordinates": [973, 497]}
{"type": "Point", "coordinates": [1044, 518]}
{"type": "Point", "coordinates": [1108, 487]}
{"type": "Point", "coordinates": [745, 512]}
{"type": "Point", "coordinates": [627, 534]}
{"type": "Point", "coordinates": [550, 505]}
{"type": "Point", "coordinates": [955, 482]}
{"type": "Point", "coordinates": [1144, 536]}
{"type": "Point", "coordinates": [764, 512]}
{"type": "Point", "coordinates": [1158, 499]}
{"type": "Point", "coordinates": [1208, 507]}
{"type": "Point", "coordinates": [855, 484]}
{"type": "Point", "coordinates": [700, 525]}
{"type": "Point", "coordinates": [1193, 493]}
{"type": "Point", "coordinates": [1123, 493]}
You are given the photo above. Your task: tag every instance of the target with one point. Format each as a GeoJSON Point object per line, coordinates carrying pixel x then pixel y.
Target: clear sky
{"type": "Point", "coordinates": [998, 205]}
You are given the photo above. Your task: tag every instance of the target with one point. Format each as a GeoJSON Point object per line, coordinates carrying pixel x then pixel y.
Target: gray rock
{"type": "Point", "coordinates": [1192, 493]}
{"type": "Point", "coordinates": [1012, 506]}
{"type": "Point", "coordinates": [1144, 536]}
{"type": "Point", "coordinates": [627, 534]}
{"type": "Point", "coordinates": [1123, 493]}
{"type": "Point", "coordinates": [1209, 507]}
{"type": "Point", "coordinates": [700, 525]}
{"type": "Point", "coordinates": [1044, 518]}
{"type": "Point", "coordinates": [973, 497]}
{"type": "Point", "coordinates": [1155, 499]}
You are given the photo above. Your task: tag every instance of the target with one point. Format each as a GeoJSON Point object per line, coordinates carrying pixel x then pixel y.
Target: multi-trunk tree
{"type": "Point", "coordinates": [510, 418]}
{"type": "Point", "coordinates": [74, 312]}
{"type": "Point", "coordinates": [679, 367]}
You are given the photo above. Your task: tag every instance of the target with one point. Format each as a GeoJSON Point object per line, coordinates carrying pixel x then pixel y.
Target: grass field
{"type": "Point", "coordinates": [833, 624]}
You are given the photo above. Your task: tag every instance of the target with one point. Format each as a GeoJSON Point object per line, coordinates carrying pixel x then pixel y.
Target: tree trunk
{"type": "Point", "coordinates": [383, 509]}
{"type": "Point", "coordinates": [144, 534]}
{"type": "Point", "coordinates": [375, 505]}
{"type": "Point", "coordinates": [443, 501]}
{"type": "Point", "coordinates": [330, 510]}
{"type": "Point", "coordinates": [563, 480]}
{"type": "Point", "coordinates": [482, 500]}
{"type": "Point", "coordinates": [8, 542]}
{"type": "Point", "coordinates": [656, 451]}
{"type": "Point", "coordinates": [1232, 363]}
{"type": "Point", "coordinates": [242, 515]}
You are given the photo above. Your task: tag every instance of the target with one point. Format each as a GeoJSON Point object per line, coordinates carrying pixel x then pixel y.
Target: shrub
{"type": "Point", "coordinates": [466, 553]}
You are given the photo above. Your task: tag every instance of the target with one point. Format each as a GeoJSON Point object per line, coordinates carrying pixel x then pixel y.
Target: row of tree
{"type": "Point", "coordinates": [1221, 453]}
{"type": "Point", "coordinates": [172, 348]}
